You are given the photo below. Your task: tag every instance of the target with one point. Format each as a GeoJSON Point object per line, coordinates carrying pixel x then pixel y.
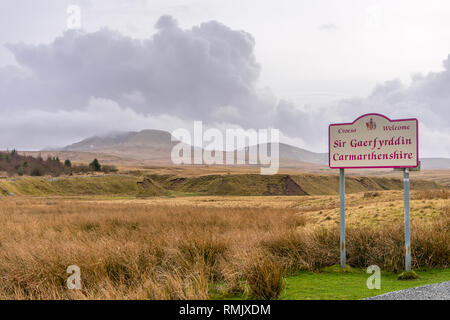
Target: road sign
{"type": "Point", "coordinates": [374, 141]}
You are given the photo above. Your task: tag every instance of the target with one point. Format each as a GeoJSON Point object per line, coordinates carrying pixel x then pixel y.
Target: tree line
{"type": "Point", "coordinates": [13, 163]}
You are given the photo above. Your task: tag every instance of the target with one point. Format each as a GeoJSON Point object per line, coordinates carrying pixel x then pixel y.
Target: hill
{"type": "Point", "coordinates": [156, 138]}
{"type": "Point", "coordinates": [214, 185]}
{"type": "Point", "coordinates": [279, 184]}
{"type": "Point", "coordinates": [153, 147]}
{"type": "Point", "coordinates": [156, 146]}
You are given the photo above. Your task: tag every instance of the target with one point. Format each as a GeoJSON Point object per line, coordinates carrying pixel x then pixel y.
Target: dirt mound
{"type": "Point", "coordinates": [292, 188]}
{"type": "Point", "coordinates": [148, 187]}
{"type": "Point", "coordinates": [287, 187]}
{"type": "Point", "coordinates": [274, 185]}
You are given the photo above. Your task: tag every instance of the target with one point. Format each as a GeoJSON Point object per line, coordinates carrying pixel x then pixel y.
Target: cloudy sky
{"type": "Point", "coordinates": [292, 65]}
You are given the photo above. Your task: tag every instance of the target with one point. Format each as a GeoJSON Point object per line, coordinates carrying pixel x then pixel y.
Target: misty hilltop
{"type": "Point", "coordinates": [153, 145]}
{"type": "Point", "coordinates": [157, 145]}
{"type": "Point", "coordinates": [125, 139]}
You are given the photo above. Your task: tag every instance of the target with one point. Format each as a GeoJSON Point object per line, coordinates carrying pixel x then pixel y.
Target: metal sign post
{"type": "Point", "coordinates": [407, 227]}
{"type": "Point", "coordinates": [342, 224]}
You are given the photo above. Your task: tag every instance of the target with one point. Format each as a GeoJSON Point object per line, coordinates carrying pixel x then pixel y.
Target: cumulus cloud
{"type": "Point", "coordinates": [184, 72]}
{"type": "Point", "coordinates": [208, 72]}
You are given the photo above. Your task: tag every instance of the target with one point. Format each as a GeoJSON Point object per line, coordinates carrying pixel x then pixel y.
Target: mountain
{"type": "Point", "coordinates": [155, 146]}
{"type": "Point", "coordinates": [143, 138]}
{"type": "Point", "coordinates": [100, 142]}
{"type": "Point", "coordinates": [290, 152]}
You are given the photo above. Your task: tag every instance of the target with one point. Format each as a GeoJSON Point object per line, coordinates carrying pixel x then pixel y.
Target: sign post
{"type": "Point", "coordinates": [342, 221]}
{"type": "Point", "coordinates": [407, 228]}
{"type": "Point", "coordinates": [374, 141]}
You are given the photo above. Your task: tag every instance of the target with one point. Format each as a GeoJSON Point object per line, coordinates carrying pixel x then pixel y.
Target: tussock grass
{"type": "Point", "coordinates": [265, 277]}
{"type": "Point", "coordinates": [432, 194]}
{"type": "Point", "coordinates": [408, 275]}
{"type": "Point", "coordinates": [181, 250]}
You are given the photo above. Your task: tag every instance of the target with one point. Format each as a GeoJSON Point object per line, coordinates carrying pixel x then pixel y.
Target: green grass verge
{"type": "Point", "coordinates": [352, 286]}
{"type": "Point", "coordinates": [335, 285]}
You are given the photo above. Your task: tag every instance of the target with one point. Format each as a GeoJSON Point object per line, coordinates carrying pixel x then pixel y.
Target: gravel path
{"type": "Point", "coordinates": [437, 291]}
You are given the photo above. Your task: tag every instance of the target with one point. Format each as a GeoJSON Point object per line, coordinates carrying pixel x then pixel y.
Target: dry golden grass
{"type": "Point", "coordinates": [432, 194]}
{"type": "Point", "coordinates": [179, 248]}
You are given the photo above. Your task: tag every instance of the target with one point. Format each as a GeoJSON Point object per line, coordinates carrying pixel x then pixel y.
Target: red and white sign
{"type": "Point", "coordinates": [374, 141]}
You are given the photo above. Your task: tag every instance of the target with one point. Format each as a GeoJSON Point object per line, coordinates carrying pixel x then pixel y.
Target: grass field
{"type": "Point", "coordinates": [209, 246]}
{"type": "Point", "coordinates": [351, 286]}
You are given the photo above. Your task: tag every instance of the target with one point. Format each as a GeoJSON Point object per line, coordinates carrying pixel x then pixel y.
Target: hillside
{"type": "Point", "coordinates": [173, 185]}
{"type": "Point", "coordinates": [153, 138]}
{"type": "Point", "coordinates": [298, 154]}
{"type": "Point", "coordinates": [279, 184]}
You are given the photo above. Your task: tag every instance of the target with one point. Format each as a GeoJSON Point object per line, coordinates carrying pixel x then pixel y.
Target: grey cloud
{"type": "Point", "coordinates": [426, 98]}
{"type": "Point", "coordinates": [36, 129]}
{"type": "Point", "coordinates": [166, 21]}
{"type": "Point", "coordinates": [208, 72]}
{"type": "Point", "coordinates": [185, 72]}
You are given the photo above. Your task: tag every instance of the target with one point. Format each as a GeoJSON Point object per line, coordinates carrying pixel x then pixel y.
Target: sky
{"type": "Point", "coordinates": [292, 65]}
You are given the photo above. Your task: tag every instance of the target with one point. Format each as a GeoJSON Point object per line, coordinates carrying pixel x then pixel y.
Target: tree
{"type": "Point", "coordinates": [67, 163]}
{"type": "Point", "coordinates": [95, 165]}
